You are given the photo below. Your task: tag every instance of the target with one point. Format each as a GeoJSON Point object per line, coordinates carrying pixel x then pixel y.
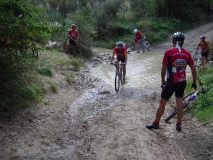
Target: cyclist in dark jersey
{"type": "Point", "coordinates": [174, 65]}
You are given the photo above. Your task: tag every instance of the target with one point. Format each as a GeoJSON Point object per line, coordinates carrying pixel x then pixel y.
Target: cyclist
{"type": "Point", "coordinates": [73, 37]}
{"type": "Point", "coordinates": [121, 53]}
{"type": "Point", "coordinates": [205, 47]}
{"type": "Point", "coordinates": [138, 35]}
{"type": "Point", "coordinates": [174, 65]}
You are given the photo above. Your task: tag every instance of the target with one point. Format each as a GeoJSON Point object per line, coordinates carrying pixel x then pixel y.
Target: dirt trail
{"type": "Point", "coordinates": [192, 37]}
{"type": "Point", "coordinates": [87, 120]}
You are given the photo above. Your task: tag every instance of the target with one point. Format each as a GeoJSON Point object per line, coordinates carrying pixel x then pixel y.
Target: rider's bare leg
{"type": "Point", "coordinates": [124, 72]}
{"type": "Point", "coordinates": [138, 44]}
{"type": "Point", "coordinates": [206, 59]}
{"type": "Point", "coordinates": [202, 60]}
{"type": "Point", "coordinates": [74, 50]}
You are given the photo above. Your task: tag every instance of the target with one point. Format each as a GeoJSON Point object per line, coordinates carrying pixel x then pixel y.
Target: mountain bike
{"type": "Point", "coordinates": [187, 99]}
{"type": "Point", "coordinates": [119, 78]}
{"type": "Point", "coordinates": [144, 44]}
{"type": "Point", "coordinates": [196, 59]}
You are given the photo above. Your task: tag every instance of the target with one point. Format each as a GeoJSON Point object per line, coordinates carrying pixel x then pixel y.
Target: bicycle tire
{"type": "Point", "coordinates": [143, 47]}
{"type": "Point", "coordinates": [117, 82]}
{"type": "Point", "coordinates": [171, 115]}
{"type": "Point", "coordinates": [174, 112]}
{"type": "Point", "coordinates": [147, 45]}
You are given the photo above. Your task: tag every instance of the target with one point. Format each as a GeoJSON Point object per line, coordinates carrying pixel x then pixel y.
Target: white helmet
{"type": "Point", "coordinates": [135, 31]}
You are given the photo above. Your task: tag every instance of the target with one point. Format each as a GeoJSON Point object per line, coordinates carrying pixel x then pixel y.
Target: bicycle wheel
{"type": "Point", "coordinates": [143, 47]}
{"type": "Point", "coordinates": [146, 43]}
{"type": "Point", "coordinates": [171, 115]}
{"type": "Point", "coordinates": [174, 112]}
{"type": "Point", "coordinates": [117, 82]}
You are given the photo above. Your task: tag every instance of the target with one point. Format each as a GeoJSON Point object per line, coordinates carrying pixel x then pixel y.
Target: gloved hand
{"type": "Point", "coordinates": [194, 86]}
{"type": "Point", "coordinates": [163, 85]}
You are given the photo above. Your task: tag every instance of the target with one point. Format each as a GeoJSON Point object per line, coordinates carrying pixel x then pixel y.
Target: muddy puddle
{"type": "Point", "coordinates": [143, 69]}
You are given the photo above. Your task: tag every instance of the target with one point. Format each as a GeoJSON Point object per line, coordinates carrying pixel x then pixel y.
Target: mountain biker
{"type": "Point", "coordinates": [174, 65]}
{"type": "Point", "coordinates": [73, 37]}
{"type": "Point", "coordinates": [121, 53]}
{"type": "Point", "coordinates": [138, 35]}
{"type": "Point", "coordinates": [205, 47]}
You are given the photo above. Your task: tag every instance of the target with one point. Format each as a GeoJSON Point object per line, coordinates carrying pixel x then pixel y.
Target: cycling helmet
{"type": "Point", "coordinates": [73, 25]}
{"type": "Point", "coordinates": [120, 44]}
{"type": "Point", "coordinates": [178, 36]}
{"type": "Point", "coordinates": [135, 31]}
{"type": "Point", "coordinates": [202, 37]}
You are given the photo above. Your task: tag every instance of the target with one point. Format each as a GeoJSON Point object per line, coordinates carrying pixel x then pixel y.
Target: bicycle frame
{"type": "Point", "coordinates": [187, 99]}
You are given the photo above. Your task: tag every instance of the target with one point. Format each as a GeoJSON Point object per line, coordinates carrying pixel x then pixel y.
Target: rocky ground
{"type": "Point", "coordinates": [87, 120]}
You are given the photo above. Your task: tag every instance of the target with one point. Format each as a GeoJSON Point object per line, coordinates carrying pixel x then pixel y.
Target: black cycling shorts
{"type": "Point", "coordinates": [172, 87]}
{"type": "Point", "coordinates": [205, 54]}
{"type": "Point", "coordinates": [73, 43]}
{"type": "Point", "coordinates": [121, 59]}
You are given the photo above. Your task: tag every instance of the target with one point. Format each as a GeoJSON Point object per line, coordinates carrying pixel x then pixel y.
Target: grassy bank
{"type": "Point", "coordinates": [33, 83]}
{"type": "Point", "coordinates": [202, 107]}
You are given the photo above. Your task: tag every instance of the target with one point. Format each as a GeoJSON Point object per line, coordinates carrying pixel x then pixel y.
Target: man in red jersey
{"type": "Point", "coordinates": [174, 65]}
{"type": "Point", "coordinates": [205, 47]}
{"type": "Point", "coordinates": [137, 38]}
{"type": "Point", "coordinates": [121, 55]}
{"type": "Point", "coordinates": [73, 37]}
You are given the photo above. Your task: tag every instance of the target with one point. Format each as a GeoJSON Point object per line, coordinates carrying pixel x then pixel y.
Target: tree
{"type": "Point", "coordinates": [18, 25]}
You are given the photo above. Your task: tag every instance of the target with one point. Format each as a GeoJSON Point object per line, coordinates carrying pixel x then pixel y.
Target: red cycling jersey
{"type": "Point", "coordinates": [73, 34]}
{"type": "Point", "coordinates": [121, 53]}
{"type": "Point", "coordinates": [176, 63]}
{"type": "Point", "coordinates": [138, 35]}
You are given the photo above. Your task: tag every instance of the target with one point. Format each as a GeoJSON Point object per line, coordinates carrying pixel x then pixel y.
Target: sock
{"type": "Point", "coordinates": [178, 123]}
{"type": "Point", "coordinates": [155, 122]}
